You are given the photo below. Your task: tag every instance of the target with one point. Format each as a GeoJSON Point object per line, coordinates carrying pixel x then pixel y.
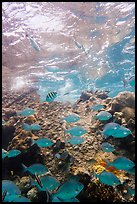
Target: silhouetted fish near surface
{"type": "Point", "coordinates": [37, 169]}
{"type": "Point", "coordinates": [107, 147]}
{"type": "Point", "coordinates": [51, 96]}
{"type": "Point", "coordinates": [122, 163]}
{"type": "Point", "coordinates": [78, 44]}
{"type": "Point", "coordinates": [33, 43]}
{"type": "Point", "coordinates": [108, 178]}
{"type": "Point", "coordinates": [130, 81]}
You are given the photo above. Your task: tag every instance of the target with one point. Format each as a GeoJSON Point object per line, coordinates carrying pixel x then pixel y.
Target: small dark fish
{"type": "Point", "coordinates": [51, 96]}
{"type": "Point", "coordinates": [38, 180]}
{"type": "Point", "coordinates": [58, 145]}
{"type": "Point", "coordinates": [66, 93]}
{"type": "Point", "coordinates": [4, 195]}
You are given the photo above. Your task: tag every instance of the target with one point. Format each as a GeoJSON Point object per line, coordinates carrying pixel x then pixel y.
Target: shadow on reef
{"type": "Point", "coordinates": [7, 135]}
{"type": "Point", "coordinates": [27, 157]}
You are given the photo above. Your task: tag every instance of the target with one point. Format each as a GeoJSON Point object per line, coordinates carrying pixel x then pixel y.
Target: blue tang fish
{"type": "Point", "coordinates": [26, 112]}
{"type": "Point", "coordinates": [72, 118]}
{"type": "Point", "coordinates": [47, 182]}
{"type": "Point", "coordinates": [103, 116]}
{"type": "Point", "coordinates": [35, 169]}
{"type": "Point", "coordinates": [69, 190]}
{"type": "Point", "coordinates": [10, 187]}
{"type": "Point", "coordinates": [97, 107]}
{"type": "Point", "coordinates": [76, 140]}
{"type": "Point", "coordinates": [121, 132]}
{"type": "Point", "coordinates": [13, 153]}
{"type": "Point", "coordinates": [16, 198]}
{"type": "Point", "coordinates": [76, 131]}
{"type": "Point", "coordinates": [33, 127]}
{"type": "Point", "coordinates": [43, 142]}
{"type": "Point", "coordinates": [131, 171]}
{"type": "Point", "coordinates": [107, 147]}
{"type": "Point", "coordinates": [110, 129]}
{"type": "Point", "coordinates": [108, 178]}
{"type": "Point", "coordinates": [122, 163]}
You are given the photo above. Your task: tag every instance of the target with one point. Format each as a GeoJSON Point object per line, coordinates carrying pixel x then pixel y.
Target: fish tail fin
{"type": "Point", "coordinates": [23, 168]}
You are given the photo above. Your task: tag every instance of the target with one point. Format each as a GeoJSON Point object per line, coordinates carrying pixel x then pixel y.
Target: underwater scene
{"type": "Point", "coordinates": [68, 102]}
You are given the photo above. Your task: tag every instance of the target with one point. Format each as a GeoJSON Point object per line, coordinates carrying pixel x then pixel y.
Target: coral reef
{"type": "Point", "coordinates": [88, 156]}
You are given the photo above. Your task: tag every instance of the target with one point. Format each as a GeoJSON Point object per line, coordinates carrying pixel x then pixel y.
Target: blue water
{"type": "Point", "coordinates": [60, 65]}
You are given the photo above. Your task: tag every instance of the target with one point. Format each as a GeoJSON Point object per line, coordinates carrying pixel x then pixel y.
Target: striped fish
{"type": "Point", "coordinates": [51, 96]}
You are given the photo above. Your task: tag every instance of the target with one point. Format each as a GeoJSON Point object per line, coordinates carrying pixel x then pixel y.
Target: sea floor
{"type": "Point", "coordinates": [83, 159]}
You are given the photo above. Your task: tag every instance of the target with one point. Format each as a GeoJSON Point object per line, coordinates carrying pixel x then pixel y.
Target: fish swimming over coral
{"type": "Point", "coordinates": [110, 129]}
{"type": "Point", "coordinates": [26, 112]}
{"type": "Point", "coordinates": [121, 132]}
{"type": "Point", "coordinates": [103, 116]}
{"type": "Point", "coordinates": [48, 182]}
{"type": "Point", "coordinates": [76, 140]}
{"type": "Point", "coordinates": [28, 127]}
{"type": "Point", "coordinates": [76, 131]}
{"type": "Point", "coordinates": [43, 142]}
{"type": "Point", "coordinates": [108, 178]}
{"type": "Point", "coordinates": [68, 190]}
{"type": "Point", "coordinates": [71, 118]}
{"type": "Point", "coordinates": [107, 147]}
{"type": "Point", "coordinates": [97, 107]}
{"type": "Point", "coordinates": [10, 187]}
{"type": "Point", "coordinates": [13, 153]}
{"type": "Point", "coordinates": [51, 96]}
{"type": "Point", "coordinates": [122, 163]}
{"type": "Point", "coordinates": [35, 169]}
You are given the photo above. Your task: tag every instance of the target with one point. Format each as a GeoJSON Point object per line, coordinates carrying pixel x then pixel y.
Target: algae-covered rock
{"type": "Point", "coordinates": [122, 100]}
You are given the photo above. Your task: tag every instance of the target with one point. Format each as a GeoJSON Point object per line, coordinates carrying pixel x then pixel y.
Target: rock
{"type": "Point", "coordinates": [128, 113]}
{"type": "Point", "coordinates": [24, 184]}
{"type": "Point", "coordinates": [85, 96]}
{"type": "Point", "coordinates": [7, 135]}
{"type": "Point", "coordinates": [33, 195]}
{"type": "Point", "coordinates": [122, 100]}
